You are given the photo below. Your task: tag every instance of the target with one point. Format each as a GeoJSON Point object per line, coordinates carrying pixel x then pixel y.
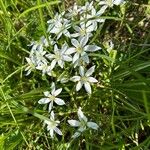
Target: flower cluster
{"type": "Point", "coordinates": [68, 45]}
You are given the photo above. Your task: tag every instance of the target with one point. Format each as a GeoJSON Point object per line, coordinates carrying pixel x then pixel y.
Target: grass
{"type": "Point", "coordinates": [120, 102]}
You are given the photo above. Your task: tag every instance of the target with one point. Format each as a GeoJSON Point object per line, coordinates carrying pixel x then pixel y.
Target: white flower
{"type": "Point", "coordinates": [52, 97]}
{"type": "Point", "coordinates": [85, 29]}
{"type": "Point", "coordinates": [82, 61]}
{"type": "Point", "coordinates": [39, 45]}
{"type": "Point", "coordinates": [61, 28]}
{"type": "Point", "coordinates": [80, 48]}
{"type": "Point", "coordinates": [110, 3]}
{"type": "Point", "coordinates": [84, 79]}
{"type": "Point", "coordinates": [87, 7]}
{"type": "Point", "coordinates": [59, 56]}
{"type": "Point", "coordinates": [93, 19]}
{"type": "Point", "coordinates": [82, 124]}
{"type": "Point", "coordinates": [52, 22]}
{"type": "Point", "coordinates": [44, 68]}
{"type": "Point", "coordinates": [52, 125]}
{"type": "Point", "coordinates": [73, 11]}
{"type": "Point", "coordinates": [31, 65]}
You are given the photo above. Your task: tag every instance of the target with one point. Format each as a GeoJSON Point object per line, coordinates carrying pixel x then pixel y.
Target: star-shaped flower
{"type": "Point", "coordinates": [82, 124]}
{"type": "Point", "coordinates": [59, 56]}
{"type": "Point", "coordinates": [51, 97]}
{"type": "Point", "coordinates": [52, 125]}
{"type": "Point", "coordinates": [31, 65]}
{"type": "Point", "coordinates": [61, 28]}
{"type": "Point", "coordinates": [80, 48]}
{"type": "Point", "coordinates": [84, 79]}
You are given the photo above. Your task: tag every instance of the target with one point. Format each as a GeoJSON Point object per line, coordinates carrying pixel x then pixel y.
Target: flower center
{"type": "Point", "coordinates": [58, 56]}
{"type": "Point", "coordinates": [83, 123]}
{"type": "Point", "coordinates": [83, 32]}
{"type": "Point", "coordinates": [84, 79]}
{"type": "Point", "coordinates": [52, 98]}
{"type": "Point", "coordinates": [79, 49]}
{"type": "Point", "coordinates": [52, 124]}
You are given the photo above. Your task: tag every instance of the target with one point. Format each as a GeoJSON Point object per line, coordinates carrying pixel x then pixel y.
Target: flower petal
{"type": "Point", "coordinates": [52, 133]}
{"type": "Point", "coordinates": [75, 57]}
{"type": "Point", "coordinates": [70, 50]}
{"type": "Point", "coordinates": [74, 123]}
{"type": "Point", "coordinates": [81, 116]}
{"type": "Point", "coordinates": [79, 86]}
{"type": "Point", "coordinates": [57, 131]}
{"type": "Point", "coordinates": [67, 58]}
{"type": "Point", "coordinates": [91, 79]}
{"type": "Point", "coordinates": [44, 101]}
{"type": "Point", "coordinates": [52, 117]}
{"type": "Point", "coordinates": [81, 71]}
{"type": "Point", "coordinates": [53, 88]}
{"type": "Point", "coordinates": [77, 134]}
{"type": "Point", "coordinates": [91, 48]}
{"type": "Point", "coordinates": [75, 43]}
{"type": "Point", "coordinates": [87, 87]}
{"type": "Point", "coordinates": [57, 92]}
{"type": "Point", "coordinates": [46, 93]}
{"type": "Point", "coordinates": [75, 78]}
{"type": "Point", "coordinates": [92, 125]}
{"type": "Point", "coordinates": [90, 71]}
{"type": "Point", "coordinates": [84, 40]}
{"type": "Point", "coordinates": [59, 101]}
{"type": "Point", "coordinates": [53, 63]}
{"type": "Point", "coordinates": [50, 106]}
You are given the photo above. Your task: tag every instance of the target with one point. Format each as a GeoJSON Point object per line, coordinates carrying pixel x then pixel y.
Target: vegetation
{"type": "Point", "coordinates": [117, 98]}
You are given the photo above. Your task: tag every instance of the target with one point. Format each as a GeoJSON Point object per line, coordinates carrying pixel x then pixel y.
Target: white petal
{"type": "Point", "coordinates": [52, 117]}
{"type": "Point", "coordinates": [90, 71]}
{"type": "Point", "coordinates": [50, 56]}
{"type": "Point", "coordinates": [75, 57]}
{"type": "Point", "coordinates": [53, 63]}
{"type": "Point", "coordinates": [81, 129]}
{"type": "Point", "coordinates": [77, 134]}
{"type": "Point", "coordinates": [75, 78]}
{"type": "Point", "coordinates": [92, 125]}
{"type": "Point", "coordinates": [61, 63]}
{"type": "Point", "coordinates": [74, 123]}
{"type": "Point", "coordinates": [85, 58]}
{"type": "Point", "coordinates": [50, 106]}
{"type": "Point", "coordinates": [91, 48]}
{"type": "Point", "coordinates": [51, 133]}
{"type": "Point", "coordinates": [118, 2]}
{"type": "Point", "coordinates": [103, 3]}
{"type": "Point", "coordinates": [46, 93]}
{"type": "Point", "coordinates": [91, 79]}
{"type": "Point", "coordinates": [70, 50]}
{"type": "Point", "coordinates": [66, 33]}
{"type": "Point", "coordinates": [67, 58]}
{"type": "Point", "coordinates": [84, 40]}
{"type": "Point", "coordinates": [75, 43]}
{"type": "Point", "coordinates": [87, 87]}
{"type": "Point", "coordinates": [44, 101]}
{"type": "Point", "coordinates": [77, 28]}
{"type": "Point", "coordinates": [91, 28]}
{"type": "Point", "coordinates": [78, 86]}
{"type": "Point", "coordinates": [57, 92]}
{"type": "Point", "coordinates": [75, 35]}
{"type": "Point", "coordinates": [53, 88]}
{"type": "Point", "coordinates": [103, 9]}
{"type": "Point", "coordinates": [57, 131]}
{"type": "Point", "coordinates": [81, 116]}
{"type": "Point", "coordinates": [59, 101]}
{"type": "Point", "coordinates": [81, 71]}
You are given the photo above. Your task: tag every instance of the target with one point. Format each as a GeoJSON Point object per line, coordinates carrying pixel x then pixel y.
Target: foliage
{"type": "Point", "coordinates": [118, 103]}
